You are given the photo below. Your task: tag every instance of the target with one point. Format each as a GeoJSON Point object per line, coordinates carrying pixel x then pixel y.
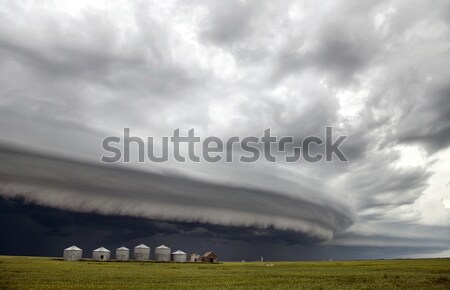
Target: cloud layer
{"type": "Point", "coordinates": [73, 73]}
{"type": "Point", "coordinates": [87, 187]}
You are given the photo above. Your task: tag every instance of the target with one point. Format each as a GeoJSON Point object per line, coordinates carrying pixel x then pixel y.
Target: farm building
{"type": "Point", "coordinates": [122, 254]}
{"type": "Point", "coordinates": [209, 257]}
{"type": "Point", "coordinates": [179, 256]}
{"type": "Point", "coordinates": [142, 253]}
{"type": "Point", "coordinates": [101, 254]}
{"type": "Point", "coordinates": [162, 253]}
{"type": "Point", "coordinates": [194, 257]}
{"type": "Point", "coordinates": [73, 253]}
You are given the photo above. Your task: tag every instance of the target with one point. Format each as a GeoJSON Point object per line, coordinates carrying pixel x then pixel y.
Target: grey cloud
{"type": "Point", "coordinates": [392, 188]}
{"type": "Point", "coordinates": [436, 239]}
{"type": "Point", "coordinates": [340, 53]}
{"type": "Point", "coordinates": [337, 48]}
{"type": "Point", "coordinates": [83, 187]}
{"type": "Point", "coordinates": [229, 22]}
{"type": "Point", "coordinates": [61, 224]}
{"type": "Point", "coordinates": [428, 121]}
{"type": "Point", "coordinates": [58, 228]}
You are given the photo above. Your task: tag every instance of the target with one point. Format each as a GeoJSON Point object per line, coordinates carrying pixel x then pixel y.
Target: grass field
{"type": "Point", "coordinates": [47, 273]}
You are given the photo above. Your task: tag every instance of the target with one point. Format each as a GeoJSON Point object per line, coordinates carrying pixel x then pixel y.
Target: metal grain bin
{"type": "Point", "coordinates": [73, 253]}
{"type": "Point", "coordinates": [162, 253]}
{"type": "Point", "coordinates": [179, 256]}
{"type": "Point", "coordinates": [142, 253]}
{"type": "Point", "coordinates": [101, 254]}
{"type": "Point", "coordinates": [122, 254]}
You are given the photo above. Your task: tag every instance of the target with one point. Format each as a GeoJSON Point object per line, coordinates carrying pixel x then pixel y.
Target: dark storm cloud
{"type": "Point", "coordinates": [392, 188]}
{"type": "Point", "coordinates": [65, 68]}
{"type": "Point", "coordinates": [67, 226]}
{"type": "Point", "coordinates": [437, 238]}
{"type": "Point", "coordinates": [428, 121]}
{"type": "Point", "coordinates": [340, 50]}
{"type": "Point", "coordinates": [45, 231]}
{"type": "Point", "coordinates": [113, 190]}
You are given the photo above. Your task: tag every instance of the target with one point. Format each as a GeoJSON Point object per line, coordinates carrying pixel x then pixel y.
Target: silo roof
{"type": "Point", "coordinates": [162, 247]}
{"type": "Point", "coordinates": [123, 248]}
{"type": "Point", "coordinates": [141, 246]}
{"type": "Point", "coordinates": [101, 249]}
{"type": "Point", "coordinates": [179, 253]}
{"type": "Point", "coordinates": [73, 248]}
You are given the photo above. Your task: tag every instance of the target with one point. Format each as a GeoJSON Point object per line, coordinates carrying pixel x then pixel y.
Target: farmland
{"type": "Point", "coordinates": [48, 273]}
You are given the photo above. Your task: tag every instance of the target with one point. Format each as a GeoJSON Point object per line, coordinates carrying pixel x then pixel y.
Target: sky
{"type": "Point", "coordinates": [75, 72]}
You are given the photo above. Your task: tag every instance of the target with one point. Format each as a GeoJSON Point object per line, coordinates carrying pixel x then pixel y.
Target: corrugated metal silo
{"type": "Point", "coordinates": [141, 253]}
{"type": "Point", "coordinates": [73, 253]}
{"type": "Point", "coordinates": [122, 254]}
{"type": "Point", "coordinates": [162, 253]}
{"type": "Point", "coordinates": [179, 256]}
{"type": "Point", "coordinates": [101, 254]}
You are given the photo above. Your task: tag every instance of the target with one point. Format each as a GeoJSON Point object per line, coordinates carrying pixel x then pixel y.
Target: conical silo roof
{"type": "Point", "coordinates": [179, 253]}
{"type": "Point", "coordinates": [73, 248]}
{"type": "Point", "coordinates": [101, 249]}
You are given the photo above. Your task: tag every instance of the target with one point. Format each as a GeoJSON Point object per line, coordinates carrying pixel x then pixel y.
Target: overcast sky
{"type": "Point", "coordinates": [74, 72]}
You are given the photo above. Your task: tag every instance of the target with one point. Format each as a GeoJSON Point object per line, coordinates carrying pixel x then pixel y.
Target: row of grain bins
{"type": "Point", "coordinates": [141, 253]}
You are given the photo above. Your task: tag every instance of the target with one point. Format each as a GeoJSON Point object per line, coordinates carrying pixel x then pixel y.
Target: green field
{"type": "Point", "coordinates": [47, 273]}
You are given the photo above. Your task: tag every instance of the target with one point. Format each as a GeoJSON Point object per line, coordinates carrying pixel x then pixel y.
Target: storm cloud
{"type": "Point", "coordinates": [73, 73]}
{"type": "Point", "coordinates": [87, 187]}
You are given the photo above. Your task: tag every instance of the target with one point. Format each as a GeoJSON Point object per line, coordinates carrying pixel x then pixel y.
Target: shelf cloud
{"type": "Point", "coordinates": [87, 187]}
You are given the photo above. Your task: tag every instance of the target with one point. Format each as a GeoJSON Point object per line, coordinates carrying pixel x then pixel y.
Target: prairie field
{"type": "Point", "coordinates": [50, 273]}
